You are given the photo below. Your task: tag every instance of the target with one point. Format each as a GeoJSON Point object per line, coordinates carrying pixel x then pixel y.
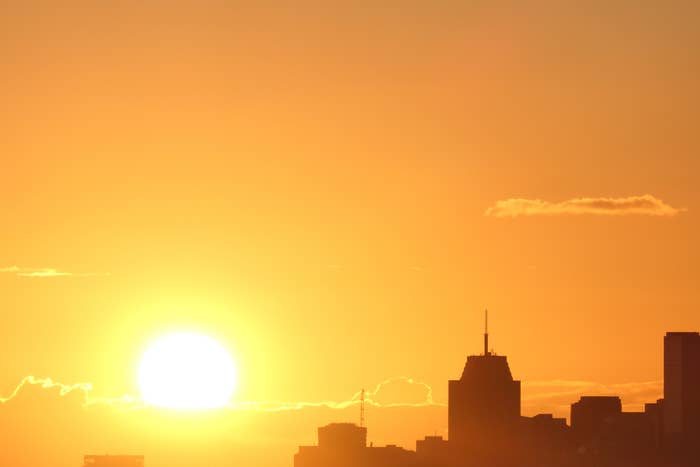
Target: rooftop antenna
{"type": "Point", "coordinates": [486, 333]}
{"type": "Point", "coordinates": [362, 408]}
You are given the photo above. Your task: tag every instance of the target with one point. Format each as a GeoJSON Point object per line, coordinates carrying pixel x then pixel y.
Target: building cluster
{"type": "Point", "coordinates": [486, 428]}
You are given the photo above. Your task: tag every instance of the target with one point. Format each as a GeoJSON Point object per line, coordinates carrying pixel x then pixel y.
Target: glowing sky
{"type": "Point", "coordinates": [336, 190]}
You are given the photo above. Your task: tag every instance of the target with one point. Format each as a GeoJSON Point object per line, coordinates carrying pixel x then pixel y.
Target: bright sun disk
{"type": "Point", "coordinates": [187, 371]}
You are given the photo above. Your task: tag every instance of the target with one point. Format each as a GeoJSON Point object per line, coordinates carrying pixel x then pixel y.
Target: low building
{"type": "Point", "coordinates": [345, 445]}
{"type": "Point", "coordinates": [433, 451]}
{"type": "Point", "coordinates": [591, 413]}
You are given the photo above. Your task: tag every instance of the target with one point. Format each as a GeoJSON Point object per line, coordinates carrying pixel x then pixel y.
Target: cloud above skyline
{"type": "Point", "coordinates": [554, 396]}
{"type": "Point", "coordinates": [372, 397]}
{"type": "Point", "coordinates": [47, 272]}
{"type": "Point", "coordinates": [632, 205]}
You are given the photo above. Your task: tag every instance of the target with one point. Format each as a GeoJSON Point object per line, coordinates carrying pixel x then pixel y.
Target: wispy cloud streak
{"type": "Point", "coordinates": [371, 398]}
{"type": "Point", "coordinates": [65, 389]}
{"type": "Point", "coordinates": [47, 272]}
{"type": "Point", "coordinates": [128, 402]}
{"type": "Point", "coordinates": [554, 395]}
{"type": "Point", "coordinates": [632, 205]}
{"type": "Point", "coordinates": [48, 383]}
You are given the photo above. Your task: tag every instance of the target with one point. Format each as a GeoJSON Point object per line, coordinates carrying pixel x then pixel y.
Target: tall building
{"type": "Point", "coordinates": [112, 461]}
{"type": "Point", "coordinates": [484, 404]}
{"type": "Point", "coordinates": [681, 406]}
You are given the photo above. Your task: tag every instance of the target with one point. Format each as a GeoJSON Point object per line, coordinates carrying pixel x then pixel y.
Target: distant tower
{"type": "Point", "coordinates": [486, 332]}
{"type": "Point", "coordinates": [484, 404]}
{"type": "Point", "coordinates": [362, 408]}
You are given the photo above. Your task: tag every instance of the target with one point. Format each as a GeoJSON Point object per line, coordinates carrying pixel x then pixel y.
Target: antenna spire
{"type": "Point", "coordinates": [362, 408]}
{"type": "Point", "coordinates": [486, 332]}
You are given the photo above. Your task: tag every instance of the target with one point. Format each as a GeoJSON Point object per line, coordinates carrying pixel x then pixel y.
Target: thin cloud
{"type": "Point", "coordinates": [647, 205]}
{"type": "Point", "coordinates": [371, 398]}
{"type": "Point", "coordinates": [48, 383]}
{"type": "Point", "coordinates": [549, 396]}
{"type": "Point", "coordinates": [47, 272]}
{"type": "Point", "coordinates": [44, 273]}
{"type": "Point", "coordinates": [125, 401]}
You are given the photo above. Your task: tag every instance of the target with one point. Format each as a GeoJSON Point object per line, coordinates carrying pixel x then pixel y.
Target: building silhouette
{"type": "Point", "coordinates": [592, 413]}
{"type": "Point", "coordinates": [484, 404]}
{"type": "Point", "coordinates": [342, 436]}
{"type": "Point", "coordinates": [112, 461]}
{"type": "Point", "coordinates": [602, 431]}
{"type": "Point", "coordinates": [345, 445]}
{"type": "Point", "coordinates": [433, 450]}
{"type": "Point", "coordinates": [655, 414]}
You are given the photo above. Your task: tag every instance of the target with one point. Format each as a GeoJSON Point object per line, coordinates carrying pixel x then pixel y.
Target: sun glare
{"type": "Point", "coordinates": [187, 371]}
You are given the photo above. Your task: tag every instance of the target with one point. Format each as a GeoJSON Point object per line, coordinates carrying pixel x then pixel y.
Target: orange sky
{"type": "Point", "coordinates": [308, 184]}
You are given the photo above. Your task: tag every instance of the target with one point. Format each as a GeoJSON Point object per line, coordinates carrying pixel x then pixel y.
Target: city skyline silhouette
{"type": "Point", "coordinates": [486, 427]}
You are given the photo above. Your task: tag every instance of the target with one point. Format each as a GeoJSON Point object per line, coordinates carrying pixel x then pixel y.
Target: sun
{"type": "Point", "coordinates": [187, 371]}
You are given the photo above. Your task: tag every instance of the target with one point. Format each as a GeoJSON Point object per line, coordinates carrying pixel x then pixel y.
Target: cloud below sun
{"type": "Point", "coordinates": [647, 205]}
{"type": "Point", "coordinates": [374, 397]}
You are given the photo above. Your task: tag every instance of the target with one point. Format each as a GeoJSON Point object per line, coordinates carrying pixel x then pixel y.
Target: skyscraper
{"type": "Point", "coordinates": [484, 404]}
{"type": "Point", "coordinates": [681, 418]}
